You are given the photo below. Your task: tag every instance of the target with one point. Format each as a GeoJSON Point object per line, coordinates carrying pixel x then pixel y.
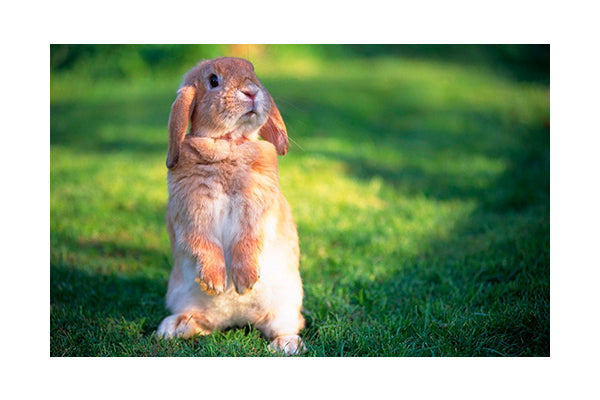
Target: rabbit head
{"type": "Point", "coordinates": [223, 98]}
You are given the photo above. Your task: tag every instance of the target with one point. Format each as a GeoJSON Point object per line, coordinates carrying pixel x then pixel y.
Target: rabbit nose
{"type": "Point", "coordinates": [251, 92]}
{"type": "Point", "coordinates": [249, 89]}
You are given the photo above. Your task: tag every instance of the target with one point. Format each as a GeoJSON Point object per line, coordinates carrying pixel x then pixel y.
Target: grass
{"type": "Point", "coordinates": [420, 190]}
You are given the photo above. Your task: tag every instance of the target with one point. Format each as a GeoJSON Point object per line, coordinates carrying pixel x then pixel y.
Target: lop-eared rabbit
{"type": "Point", "coordinates": [234, 242]}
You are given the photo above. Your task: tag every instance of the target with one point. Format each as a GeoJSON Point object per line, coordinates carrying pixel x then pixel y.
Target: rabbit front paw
{"type": "Point", "coordinates": [245, 271]}
{"type": "Point", "coordinates": [212, 278]}
{"type": "Point", "coordinates": [244, 277]}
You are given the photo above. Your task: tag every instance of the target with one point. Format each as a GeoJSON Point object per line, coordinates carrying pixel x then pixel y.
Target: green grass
{"type": "Point", "coordinates": [420, 190]}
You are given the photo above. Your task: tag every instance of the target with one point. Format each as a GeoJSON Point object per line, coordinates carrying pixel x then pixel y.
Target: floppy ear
{"type": "Point", "coordinates": [274, 130]}
{"type": "Point", "coordinates": [178, 122]}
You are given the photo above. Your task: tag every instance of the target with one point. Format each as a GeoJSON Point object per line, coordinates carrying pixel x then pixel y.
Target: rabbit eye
{"type": "Point", "coordinates": [213, 81]}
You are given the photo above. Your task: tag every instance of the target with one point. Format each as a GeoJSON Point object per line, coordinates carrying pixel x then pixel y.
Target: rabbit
{"type": "Point", "coordinates": [233, 239]}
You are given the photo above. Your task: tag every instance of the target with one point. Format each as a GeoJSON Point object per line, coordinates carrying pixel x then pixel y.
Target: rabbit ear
{"type": "Point", "coordinates": [178, 122]}
{"type": "Point", "coordinates": [274, 130]}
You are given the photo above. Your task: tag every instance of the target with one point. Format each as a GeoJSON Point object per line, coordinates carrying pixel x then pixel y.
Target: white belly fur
{"type": "Point", "coordinates": [277, 292]}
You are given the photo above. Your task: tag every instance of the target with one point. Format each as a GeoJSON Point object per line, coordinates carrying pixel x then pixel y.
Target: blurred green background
{"type": "Point", "coordinates": [418, 176]}
{"type": "Point", "coordinates": [520, 62]}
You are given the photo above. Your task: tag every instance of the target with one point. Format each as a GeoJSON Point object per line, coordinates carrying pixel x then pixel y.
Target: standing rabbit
{"type": "Point", "coordinates": [233, 239]}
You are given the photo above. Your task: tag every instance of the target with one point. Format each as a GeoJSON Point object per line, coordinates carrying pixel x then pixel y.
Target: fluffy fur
{"type": "Point", "coordinates": [233, 239]}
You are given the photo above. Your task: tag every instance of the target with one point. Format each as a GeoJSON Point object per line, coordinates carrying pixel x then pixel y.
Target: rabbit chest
{"type": "Point", "coordinates": [220, 200]}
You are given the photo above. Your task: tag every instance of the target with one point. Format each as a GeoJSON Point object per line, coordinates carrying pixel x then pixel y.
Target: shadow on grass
{"type": "Point", "coordinates": [135, 124]}
{"type": "Point", "coordinates": [111, 252]}
{"type": "Point", "coordinates": [525, 181]}
{"type": "Point", "coordinates": [93, 314]}
{"type": "Point", "coordinates": [523, 63]}
{"type": "Point", "coordinates": [485, 293]}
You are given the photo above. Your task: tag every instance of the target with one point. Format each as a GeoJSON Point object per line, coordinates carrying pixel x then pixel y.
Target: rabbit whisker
{"type": "Point", "coordinates": [296, 143]}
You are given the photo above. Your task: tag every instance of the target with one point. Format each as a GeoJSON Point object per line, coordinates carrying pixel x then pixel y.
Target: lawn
{"type": "Point", "coordinates": [420, 187]}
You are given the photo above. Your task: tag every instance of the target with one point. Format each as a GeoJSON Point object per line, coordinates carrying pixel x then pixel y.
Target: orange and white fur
{"type": "Point", "coordinates": [233, 239]}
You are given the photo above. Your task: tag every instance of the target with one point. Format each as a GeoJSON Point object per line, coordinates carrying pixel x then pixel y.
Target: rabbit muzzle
{"type": "Point", "coordinates": [254, 105]}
